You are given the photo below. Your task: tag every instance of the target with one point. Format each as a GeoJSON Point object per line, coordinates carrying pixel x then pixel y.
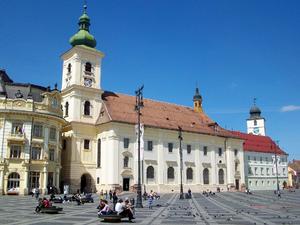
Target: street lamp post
{"type": "Point", "coordinates": [180, 154]}
{"type": "Point", "coordinates": [138, 105]}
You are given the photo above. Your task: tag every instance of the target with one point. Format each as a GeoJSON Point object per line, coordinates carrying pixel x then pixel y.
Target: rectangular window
{"type": "Point", "coordinates": [268, 172]}
{"type": "Point", "coordinates": [189, 149]}
{"type": "Point", "coordinates": [86, 144]}
{"type": "Point", "coordinates": [249, 170]}
{"type": "Point", "coordinates": [149, 145]}
{"type": "Point", "coordinates": [52, 135]}
{"type": "Point", "coordinates": [262, 171]}
{"type": "Point", "coordinates": [34, 180]}
{"type": "Point", "coordinates": [15, 151]}
{"type": "Point", "coordinates": [220, 152]}
{"type": "Point", "coordinates": [266, 159]}
{"type": "Point", "coordinates": [254, 158]}
{"type": "Point", "coordinates": [36, 153]}
{"type": "Point", "coordinates": [235, 152]}
{"type": "Point", "coordinates": [204, 150]}
{"type": "Point", "coordinates": [170, 147]}
{"type": "Point", "coordinates": [126, 142]}
{"type": "Point", "coordinates": [261, 159]}
{"type": "Point", "coordinates": [249, 158]}
{"type": "Point", "coordinates": [17, 128]}
{"type": "Point", "coordinates": [51, 154]}
{"type": "Point", "coordinates": [98, 180]}
{"type": "Point", "coordinates": [37, 130]}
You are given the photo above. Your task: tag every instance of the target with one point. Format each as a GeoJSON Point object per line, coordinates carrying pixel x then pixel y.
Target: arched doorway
{"type": "Point", "coordinates": [86, 183]}
{"type": "Point", "coordinates": [13, 183]}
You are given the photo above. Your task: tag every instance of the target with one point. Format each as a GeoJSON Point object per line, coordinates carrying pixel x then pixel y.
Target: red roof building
{"type": "Point", "coordinates": [257, 143]}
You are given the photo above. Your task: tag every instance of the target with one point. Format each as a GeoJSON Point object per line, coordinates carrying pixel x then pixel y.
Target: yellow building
{"type": "Point", "coordinates": [30, 125]}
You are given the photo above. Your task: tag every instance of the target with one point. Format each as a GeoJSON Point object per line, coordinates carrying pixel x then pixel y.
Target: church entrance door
{"type": "Point", "coordinates": [126, 182]}
{"type": "Point", "coordinates": [86, 183]}
{"type": "Point", "coordinates": [237, 184]}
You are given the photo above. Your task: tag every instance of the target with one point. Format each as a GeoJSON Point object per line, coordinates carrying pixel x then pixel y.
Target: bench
{"type": "Point", "coordinates": [113, 218]}
{"type": "Point", "coordinates": [51, 210]}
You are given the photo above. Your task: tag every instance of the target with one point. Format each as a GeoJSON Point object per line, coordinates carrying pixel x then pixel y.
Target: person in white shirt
{"type": "Point", "coordinates": [119, 206]}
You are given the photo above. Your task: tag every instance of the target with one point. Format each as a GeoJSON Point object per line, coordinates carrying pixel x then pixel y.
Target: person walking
{"type": "Point", "coordinates": [115, 199]}
{"type": "Point", "coordinates": [110, 195]}
{"type": "Point", "coordinates": [150, 201]}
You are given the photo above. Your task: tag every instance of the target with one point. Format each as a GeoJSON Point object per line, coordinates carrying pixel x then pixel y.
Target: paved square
{"type": "Point", "coordinates": [263, 207]}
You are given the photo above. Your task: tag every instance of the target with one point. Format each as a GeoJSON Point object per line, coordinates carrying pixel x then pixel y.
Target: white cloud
{"type": "Point", "coordinates": [289, 108]}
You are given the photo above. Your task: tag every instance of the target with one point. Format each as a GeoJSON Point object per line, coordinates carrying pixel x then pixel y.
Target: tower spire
{"type": "Point", "coordinates": [83, 36]}
{"type": "Point", "coordinates": [197, 101]}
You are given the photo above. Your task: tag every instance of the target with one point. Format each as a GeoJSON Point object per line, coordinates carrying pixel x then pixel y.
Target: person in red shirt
{"type": "Point", "coordinates": [46, 203]}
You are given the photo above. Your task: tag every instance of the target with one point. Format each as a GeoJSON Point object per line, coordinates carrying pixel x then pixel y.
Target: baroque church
{"type": "Point", "coordinates": [99, 146]}
{"type": "Point", "coordinates": [90, 142]}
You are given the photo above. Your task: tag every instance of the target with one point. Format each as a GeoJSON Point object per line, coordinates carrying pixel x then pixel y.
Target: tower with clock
{"type": "Point", "coordinates": [256, 123]}
{"type": "Point", "coordinates": [81, 75]}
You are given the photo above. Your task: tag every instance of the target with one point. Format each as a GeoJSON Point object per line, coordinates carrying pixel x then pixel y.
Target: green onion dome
{"type": "Point", "coordinates": [83, 36]}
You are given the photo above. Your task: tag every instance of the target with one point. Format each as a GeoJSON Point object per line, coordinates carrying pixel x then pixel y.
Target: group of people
{"type": "Point", "coordinates": [151, 197]}
{"type": "Point", "coordinates": [104, 195]}
{"type": "Point", "coordinates": [43, 203]}
{"type": "Point", "coordinates": [122, 208]}
{"type": "Point", "coordinates": [208, 193]}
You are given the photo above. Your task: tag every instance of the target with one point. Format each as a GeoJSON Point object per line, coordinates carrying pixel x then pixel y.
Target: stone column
{"type": "Point", "coordinates": [197, 164]}
{"type": "Point", "coordinates": [26, 182]}
{"type": "Point", "coordinates": [213, 165]}
{"type": "Point", "coordinates": [57, 176]}
{"type": "Point", "coordinates": [45, 180]}
{"type": "Point", "coordinates": [160, 163]}
{"type": "Point", "coordinates": [1, 182]}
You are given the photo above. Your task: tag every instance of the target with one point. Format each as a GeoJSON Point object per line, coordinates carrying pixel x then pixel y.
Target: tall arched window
{"type": "Point", "coordinates": [206, 176]}
{"type": "Point", "coordinates": [221, 176]}
{"type": "Point", "coordinates": [88, 67]}
{"type": "Point", "coordinates": [87, 108]}
{"type": "Point", "coordinates": [67, 109]}
{"type": "Point", "coordinates": [125, 162]}
{"type": "Point", "coordinates": [13, 181]}
{"type": "Point", "coordinates": [69, 68]}
{"type": "Point", "coordinates": [170, 173]}
{"type": "Point", "coordinates": [150, 172]}
{"type": "Point", "coordinates": [189, 174]}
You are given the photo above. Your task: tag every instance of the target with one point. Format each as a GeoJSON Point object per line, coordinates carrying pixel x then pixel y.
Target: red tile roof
{"type": "Point", "coordinates": [257, 143]}
{"type": "Point", "coordinates": [120, 108]}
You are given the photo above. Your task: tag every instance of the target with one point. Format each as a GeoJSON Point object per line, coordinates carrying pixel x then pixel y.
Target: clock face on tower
{"type": "Point", "coordinates": [88, 82]}
{"type": "Point", "coordinates": [255, 130]}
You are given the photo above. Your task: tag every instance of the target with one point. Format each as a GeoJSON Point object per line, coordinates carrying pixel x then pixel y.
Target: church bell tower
{"type": "Point", "coordinates": [256, 123]}
{"type": "Point", "coordinates": [81, 75]}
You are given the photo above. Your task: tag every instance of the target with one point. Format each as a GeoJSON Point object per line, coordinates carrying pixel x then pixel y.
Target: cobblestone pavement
{"type": "Point", "coordinates": [223, 208]}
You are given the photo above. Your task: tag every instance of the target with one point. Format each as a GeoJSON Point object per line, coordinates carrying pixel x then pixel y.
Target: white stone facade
{"type": "Point", "coordinates": [260, 170]}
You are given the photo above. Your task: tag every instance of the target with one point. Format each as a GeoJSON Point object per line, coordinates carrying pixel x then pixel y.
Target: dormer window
{"type": "Point", "coordinates": [87, 107]}
{"type": "Point", "coordinates": [88, 67]}
{"type": "Point", "coordinates": [18, 94]}
{"type": "Point", "coordinates": [69, 68]}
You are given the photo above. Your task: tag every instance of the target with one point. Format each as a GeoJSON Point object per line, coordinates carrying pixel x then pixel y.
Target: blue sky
{"type": "Point", "coordinates": [234, 50]}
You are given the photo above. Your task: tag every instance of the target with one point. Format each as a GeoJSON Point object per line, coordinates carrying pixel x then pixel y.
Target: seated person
{"type": "Point", "coordinates": [40, 205]}
{"type": "Point", "coordinates": [46, 203]}
{"type": "Point", "coordinates": [156, 196]}
{"type": "Point", "coordinates": [105, 209]}
{"type": "Point", "coordinates": [127, 210]}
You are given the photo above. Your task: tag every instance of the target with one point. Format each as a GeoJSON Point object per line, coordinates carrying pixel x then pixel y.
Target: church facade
{"type": "Point", "coordinates": [100, 144]}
